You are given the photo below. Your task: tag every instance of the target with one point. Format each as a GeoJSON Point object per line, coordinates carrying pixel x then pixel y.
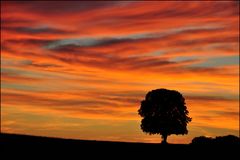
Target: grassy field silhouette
{"type": "Point", "coordinates": [22, 145]}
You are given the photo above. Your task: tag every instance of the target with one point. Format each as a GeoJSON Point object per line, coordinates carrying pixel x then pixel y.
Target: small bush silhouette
{"type": "Point", "coordinates": [202, 140]}
{"type": "Point", "coordinates": [230, 139]}
{"type": "Point", "coordinates": [164, 112]}
{"type": "Point", "coordinates": [221, 140]}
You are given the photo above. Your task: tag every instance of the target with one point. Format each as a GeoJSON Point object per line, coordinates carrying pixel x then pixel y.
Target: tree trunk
{"type": "Point", "coordinates": [164, 137]}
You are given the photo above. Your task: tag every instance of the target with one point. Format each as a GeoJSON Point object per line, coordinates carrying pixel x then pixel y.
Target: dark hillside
{"type": "Point", "coordinates": [24, 146]}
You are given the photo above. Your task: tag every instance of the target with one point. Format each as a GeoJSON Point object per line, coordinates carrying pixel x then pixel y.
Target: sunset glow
{"type": "Point", "coordinates": [80, 69]}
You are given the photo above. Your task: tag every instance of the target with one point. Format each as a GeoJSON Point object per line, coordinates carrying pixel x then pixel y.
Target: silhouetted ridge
{"type": "Point", "coordinates": [23, 146]}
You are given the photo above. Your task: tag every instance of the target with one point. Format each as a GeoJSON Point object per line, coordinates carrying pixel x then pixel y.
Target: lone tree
{"type": "Point", "coordinates": [164, 112]}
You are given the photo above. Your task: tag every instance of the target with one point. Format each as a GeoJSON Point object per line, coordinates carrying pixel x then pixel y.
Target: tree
{"type": "Point", "coordinates": [164, 112]}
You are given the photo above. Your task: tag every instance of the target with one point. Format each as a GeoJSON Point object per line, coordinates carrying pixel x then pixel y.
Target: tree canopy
{"type": "Point", "coordinates": [164, 112]}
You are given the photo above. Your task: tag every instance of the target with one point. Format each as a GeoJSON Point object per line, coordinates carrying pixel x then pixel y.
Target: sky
{"type": "Point", "coordinates": [80, 69]}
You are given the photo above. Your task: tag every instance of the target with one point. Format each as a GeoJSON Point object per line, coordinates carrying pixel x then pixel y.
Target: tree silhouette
{"type": "Point", "coordinates": [164, 112]}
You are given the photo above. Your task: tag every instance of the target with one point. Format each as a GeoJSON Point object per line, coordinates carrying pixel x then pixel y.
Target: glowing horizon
{"type": "Point", "coordinates": [80, 69]}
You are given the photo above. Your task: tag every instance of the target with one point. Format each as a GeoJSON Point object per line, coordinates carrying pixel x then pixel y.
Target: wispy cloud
{"type": "Point", "coordinates": [84, 60]}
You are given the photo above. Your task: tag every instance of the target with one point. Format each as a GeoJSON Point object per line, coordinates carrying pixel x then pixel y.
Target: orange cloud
{"type": "Point", "coordinates": [86, 62]}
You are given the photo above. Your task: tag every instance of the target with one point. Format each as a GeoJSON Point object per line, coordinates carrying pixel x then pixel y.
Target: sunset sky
{"type": "Point", "coordinates": [80, 69]}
